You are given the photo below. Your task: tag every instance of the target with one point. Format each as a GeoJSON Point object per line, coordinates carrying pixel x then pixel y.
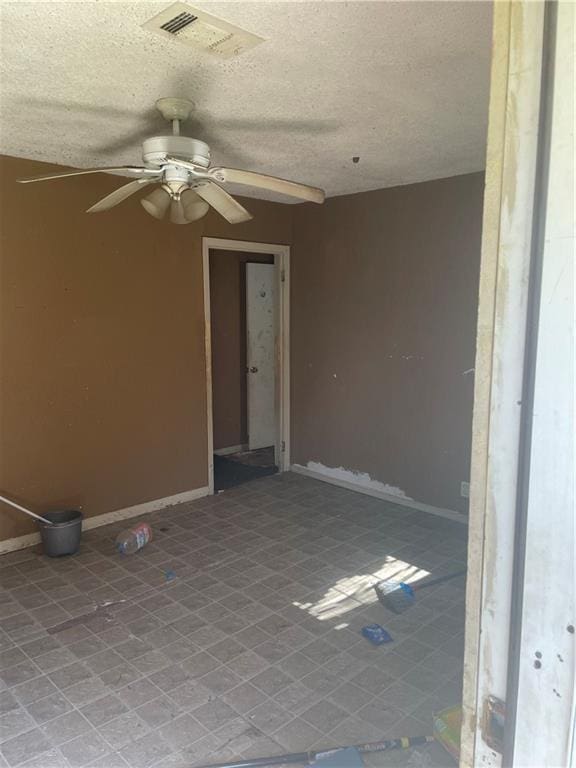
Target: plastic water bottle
{"type": "Point", "coordinates": [133, 539]}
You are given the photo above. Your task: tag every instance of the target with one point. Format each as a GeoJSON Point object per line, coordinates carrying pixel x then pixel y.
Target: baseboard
{"type": "Point", "coordinates": [19, 542]}
{"type": "Point", "coordinates": [30, 539]}
{"type": "Point", "coordinates": [231, 449]}
{"type": "Point", "coordinates": [359, 488]}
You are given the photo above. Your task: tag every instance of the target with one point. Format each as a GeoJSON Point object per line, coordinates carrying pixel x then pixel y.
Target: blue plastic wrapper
{"type": "Point", "coordinates": [169, 575]}
{"type": "Point", "coordinates": [376, 634]}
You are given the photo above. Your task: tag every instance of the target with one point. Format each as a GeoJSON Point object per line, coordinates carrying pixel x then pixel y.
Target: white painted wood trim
{"type": "Point", "coordinates": [281, 255]}
{"type": "Point", "coordinates": [543, 724]}
{"type": "Point", "coordinates": [359, 488]}
{"type": "Point", "coordinates": [483, 374]}
{"type": "Point", "coordinates": [208, 363]}
{"type": "Point", "coordinates": [282, 259]}
{"type": "Point", "coordinates": [231, 449]}
{"type": "Point", "coordinates": [30, 539]}
{"type": "Point", "coordinates": [19, 542]}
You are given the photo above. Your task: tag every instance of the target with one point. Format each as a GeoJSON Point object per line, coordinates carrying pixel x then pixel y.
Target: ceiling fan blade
{"type": "Point", "coordinates": [119, 195]}
{"type": "Point", "coordinates": [222, 202]}
{"type": "Point", "coordinates": [284, 187]}
{"type": "Point", "coordinates": [123, 169]}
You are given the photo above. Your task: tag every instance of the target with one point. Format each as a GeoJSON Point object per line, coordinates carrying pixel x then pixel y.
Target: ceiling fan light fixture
{"type": "Point", "coordinates": [194, 207]}
{"type": "Point", "coordinates": [177, 215]}
{"type": "Point", "coordinates": [156, 203]}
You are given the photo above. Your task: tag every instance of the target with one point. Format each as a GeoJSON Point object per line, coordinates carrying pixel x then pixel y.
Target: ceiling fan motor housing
{"type": "Point", "coordinates": [157, 148]}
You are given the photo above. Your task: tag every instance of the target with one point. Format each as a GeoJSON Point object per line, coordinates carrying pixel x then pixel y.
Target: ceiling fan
{"type": "Point", "coordinates": [188, 184]}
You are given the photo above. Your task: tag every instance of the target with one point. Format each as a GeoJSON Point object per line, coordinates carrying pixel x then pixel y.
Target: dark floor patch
{"type": "Point", "coordinates": [229, 473]}
{"type": "Point", "coordinates": [260, 457]}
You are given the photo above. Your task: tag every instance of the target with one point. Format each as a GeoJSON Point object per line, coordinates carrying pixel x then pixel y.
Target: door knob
{"type": "Point", "coordinates": [253, 369]}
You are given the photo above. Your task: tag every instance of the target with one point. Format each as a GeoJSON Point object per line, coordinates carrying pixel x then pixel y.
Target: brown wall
{"type": "Point", "coordinates": [384, 288]}
{"type": "Point", "coordinates": [102, 345]}
{"type": "Point", "coordinates": [228, 313]}
{"type": "Point", "coordinates": [103, 401]}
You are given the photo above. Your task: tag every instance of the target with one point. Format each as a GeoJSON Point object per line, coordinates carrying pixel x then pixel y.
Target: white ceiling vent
{"type": "Point", "coordinates": [202, 30]}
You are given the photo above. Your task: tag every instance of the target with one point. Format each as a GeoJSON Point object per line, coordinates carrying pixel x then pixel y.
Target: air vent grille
{"type": "Point", "coordinates": [202, 30]}
{"type": "Point", "coordinates": [178, 23]}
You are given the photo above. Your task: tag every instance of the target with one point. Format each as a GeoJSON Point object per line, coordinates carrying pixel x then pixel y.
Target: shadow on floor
{"type": "Point", "coordinates": [230, 471]}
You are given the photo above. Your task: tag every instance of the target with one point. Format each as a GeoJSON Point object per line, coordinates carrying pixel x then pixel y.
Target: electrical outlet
{"type": "Point", "coordinates": [465, 489]}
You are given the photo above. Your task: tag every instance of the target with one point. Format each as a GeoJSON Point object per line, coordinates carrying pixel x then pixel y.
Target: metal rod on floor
{"type": "Point", "coordinates": [308, 758]}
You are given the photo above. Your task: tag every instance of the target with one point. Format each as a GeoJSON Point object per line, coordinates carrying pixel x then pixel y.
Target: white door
{"type": "Point", "coordinates": [260, 357]}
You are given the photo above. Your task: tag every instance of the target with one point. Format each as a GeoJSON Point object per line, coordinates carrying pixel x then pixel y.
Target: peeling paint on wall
{"type": "Point", "coordinates": [358, 478]}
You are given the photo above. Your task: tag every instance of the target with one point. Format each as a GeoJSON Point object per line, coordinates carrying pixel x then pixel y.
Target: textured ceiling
{"type": "Point", "coordinates": [401, 85]}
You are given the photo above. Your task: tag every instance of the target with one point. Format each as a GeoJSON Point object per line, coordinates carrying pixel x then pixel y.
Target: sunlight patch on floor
{"type": "Point", "coordinates": [355, 591]}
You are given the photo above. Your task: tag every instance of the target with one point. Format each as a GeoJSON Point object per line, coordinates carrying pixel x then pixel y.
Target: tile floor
{"type": "Point", "coordinates": [253, 649]}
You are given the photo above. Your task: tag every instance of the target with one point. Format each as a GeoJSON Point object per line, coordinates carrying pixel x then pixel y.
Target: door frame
{"type": "Point", "coordinates": [519, 601]}
{"type": "Point", "coordinates": [281, 254]}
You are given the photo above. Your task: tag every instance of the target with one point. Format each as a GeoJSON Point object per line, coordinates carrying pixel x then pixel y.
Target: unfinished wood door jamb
{"type": "Point", "coordinates": [500, 357]}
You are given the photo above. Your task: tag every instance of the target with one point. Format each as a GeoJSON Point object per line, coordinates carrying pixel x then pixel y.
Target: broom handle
{"type": "Point", "coordinates": [302, 758]}
{"type": "Point", "coordinates": [438, 580]}
{"type": "Point", "coordinates": [23, 509]}
{"type": "Point", "coordinates": [307, 758]}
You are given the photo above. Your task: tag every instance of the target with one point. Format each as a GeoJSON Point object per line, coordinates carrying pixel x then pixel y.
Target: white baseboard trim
{"type": "Point", "coordinates": [231, 449]}
{"type": "Point", "coordinates": [359, 488]}
{"type": "Point", "coordinates": [19, 542]}
{"type": "Point", "coordinates": [30, 539]}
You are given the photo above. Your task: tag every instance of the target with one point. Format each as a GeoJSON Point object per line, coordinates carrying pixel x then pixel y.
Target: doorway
{"type": "Point", "coordinates": [245, 292]}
